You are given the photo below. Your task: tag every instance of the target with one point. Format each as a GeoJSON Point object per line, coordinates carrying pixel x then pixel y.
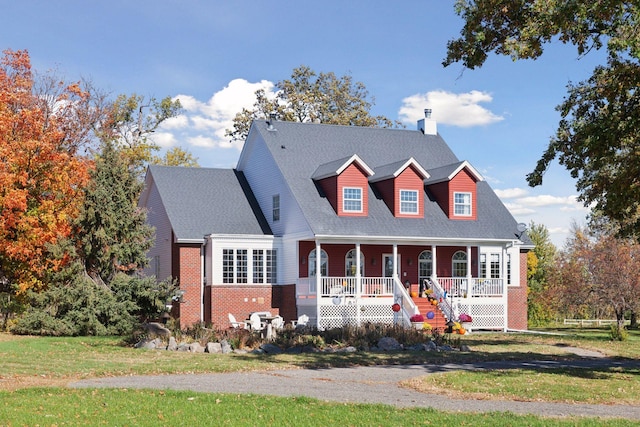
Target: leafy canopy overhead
{"type": "Point", "coordinates": [597, 138]}
{"type": "Point", "coordinates": [310, 97]}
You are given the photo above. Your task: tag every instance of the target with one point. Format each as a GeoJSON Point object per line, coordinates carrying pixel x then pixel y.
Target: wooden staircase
{"type": "Point", "coordinates": [439, 320]}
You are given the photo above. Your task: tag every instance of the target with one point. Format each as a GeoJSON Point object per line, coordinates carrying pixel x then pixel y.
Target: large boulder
{"type": "Point", "coordinates": [389, 344]}
{"type": "Point", "coordinates": [155, 329]}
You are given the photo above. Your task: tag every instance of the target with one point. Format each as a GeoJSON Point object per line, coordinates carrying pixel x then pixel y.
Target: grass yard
{"type": "Point", "coordinates": [64, 407]}
{"type": "Point", "coordinates": [35, 370]}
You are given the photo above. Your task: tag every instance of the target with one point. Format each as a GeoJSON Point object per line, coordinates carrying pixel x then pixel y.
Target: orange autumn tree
{"type": "Point", "coordinates": [42, 172]}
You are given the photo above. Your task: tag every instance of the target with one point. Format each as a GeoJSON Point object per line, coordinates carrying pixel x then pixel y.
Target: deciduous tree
{"type": "Point", "coordinates": [540, 261]}
{"type": "Point", "coordinates": [597, 139]}
{"type": "Point", "coordinates": [129, 124]}
{"type": "Point", "coordinates": [176, 156]}
{"type": "Point", "coordinates": [311, 97]}
{"type": "Point", "coordinates": [42, 170]}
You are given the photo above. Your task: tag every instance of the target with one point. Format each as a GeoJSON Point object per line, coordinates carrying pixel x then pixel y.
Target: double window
{"type": "Point", "coordinates": [352, 199]}
{"type": "Point", "coordinates": [462, 204]}
{"type": "Point", "coordinates": [409, 202]}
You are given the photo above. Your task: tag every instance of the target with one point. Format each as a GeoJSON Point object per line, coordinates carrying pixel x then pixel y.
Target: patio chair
{"type": "Point", "coordinates": [301, 322]}
{"type": "Point", "coordinates": [234, 323]}
{"type": "Point", "coordinates": [277, 323]}
{"type": "Point", "coordinates": [255, 322]}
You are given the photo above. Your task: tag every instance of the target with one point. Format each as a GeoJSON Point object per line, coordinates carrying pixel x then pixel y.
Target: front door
{"type": "Point", "coordinates": [387, 265]}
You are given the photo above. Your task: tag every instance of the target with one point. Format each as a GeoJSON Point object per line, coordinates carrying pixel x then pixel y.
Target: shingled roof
{"type": "Point", "coordinates": [201, 201]}
{"type": "Point", "coordinates": [299, 149]}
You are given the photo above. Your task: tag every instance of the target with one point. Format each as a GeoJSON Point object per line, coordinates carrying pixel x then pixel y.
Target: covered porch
{"type": "Point", "coordinates": [342, 294]}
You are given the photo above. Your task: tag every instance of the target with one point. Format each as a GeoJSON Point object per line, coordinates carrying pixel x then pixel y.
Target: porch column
{"type": "Point", "coordinates": [468, 272]}
{"type": "Point", "coordinates": [318, 282]}
{"type": "Point", "coordinates": [434, 260]}
{"type": "Point", "coordinates": [358, 275]}
{"type": "Point", "coordinates": [358, 284]}
{"type": "Point", "coordinates": [395, 261]}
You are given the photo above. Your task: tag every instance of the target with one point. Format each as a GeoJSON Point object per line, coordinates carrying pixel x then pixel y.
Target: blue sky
{"type": "Point", "coordinates": [213, 55]}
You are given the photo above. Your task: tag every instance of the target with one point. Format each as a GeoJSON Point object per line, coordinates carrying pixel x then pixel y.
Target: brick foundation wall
{"type": "Point", "coordinates": [517, 296]}
{"type": "Point", "coordinates": [240, 300]}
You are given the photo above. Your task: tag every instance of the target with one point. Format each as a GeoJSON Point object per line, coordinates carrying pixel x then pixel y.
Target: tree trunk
{"type": "Point", "coordinates": [634, 320]}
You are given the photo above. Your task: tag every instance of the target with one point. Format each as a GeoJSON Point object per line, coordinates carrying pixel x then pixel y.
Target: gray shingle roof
{"type": "Point", "coordinates": [201, 201]}
{"type": "Point", "coordinates": [300, 148]}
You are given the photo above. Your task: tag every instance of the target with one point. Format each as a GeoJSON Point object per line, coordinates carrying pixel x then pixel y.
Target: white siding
{"type": "Point", "coordinates": [160, 254]}
{"type": "Point", "coordinates": [265, 180]}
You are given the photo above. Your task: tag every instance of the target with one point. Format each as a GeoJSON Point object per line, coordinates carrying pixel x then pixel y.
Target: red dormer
{"type": "Point", "coordinates": [345, 184]}
{"type": "Point", "coordinates": [454, 188]}
{"type": "Point", "coordinates": [401, 186]}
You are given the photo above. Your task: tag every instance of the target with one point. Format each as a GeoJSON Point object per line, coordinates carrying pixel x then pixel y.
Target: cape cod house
{"type": "Point", "coordinates": [338, 223]}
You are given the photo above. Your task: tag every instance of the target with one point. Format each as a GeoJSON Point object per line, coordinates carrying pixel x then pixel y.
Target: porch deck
{"type": "Point", "coordinates": [342, 301]}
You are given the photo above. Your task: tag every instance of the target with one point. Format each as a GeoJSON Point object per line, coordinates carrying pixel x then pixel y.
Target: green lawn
{"type": "Point", "coordinates": [64, 407]}
{"type": "Point", "coordinates": [34, 371]}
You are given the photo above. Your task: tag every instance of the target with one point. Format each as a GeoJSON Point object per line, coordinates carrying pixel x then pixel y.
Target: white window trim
{"type": "Point", "coordinates": [470, 204]}
{"type": "Point", "coordinates": [416, 202]}
{"type": "Point", "coordinates": [344, 199]}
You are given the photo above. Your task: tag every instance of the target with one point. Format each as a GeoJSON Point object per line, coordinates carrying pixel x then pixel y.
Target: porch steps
{"type": "Point", "coordinates": [439, 321]}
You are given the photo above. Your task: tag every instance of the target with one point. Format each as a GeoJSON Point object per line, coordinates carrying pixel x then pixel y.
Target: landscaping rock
{"type": "Point", "coordinates": [155, 329]}
{"type": "Point", "coordinates": [195, 347]}
{"type": "Point", "coordinates": [430, 346]}
{"type": "Point", "coordinates": [226, 347]}
{"type": "Point", "coordinates": [173, 345]}
{"type": "Point", "coordinates": [146, 345]}
{"type": "Point", "coordinates": [389, 344]}
{"type": "Point", "coordinates": [464, 347]}
{"type": "Point", "coordinates": [214, 347]}
{"type": "Point", "coordinates": [271, 349]}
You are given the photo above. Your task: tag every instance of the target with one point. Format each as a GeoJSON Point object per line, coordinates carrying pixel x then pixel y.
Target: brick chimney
{"type": "Point", "coordinates": [427, 125]}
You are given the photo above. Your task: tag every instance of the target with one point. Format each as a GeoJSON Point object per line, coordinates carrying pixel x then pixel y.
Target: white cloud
{"type": "Point", "coordinates": [203, 124]}
{"type": "Point", "coordinates": [202, 141]}
{"type": "Point", "coordinates": [518, 209]}
{"type": "Point", "coordinates": [461, 109]}
{"type": "Point", "coordinates": [511, 193]}
{"type": "Point", "coordinates": [164, 139]}
{"type": "Point", "coordinates": [548, 200]}
{"type": "Point", "coordinates": [178, 122]}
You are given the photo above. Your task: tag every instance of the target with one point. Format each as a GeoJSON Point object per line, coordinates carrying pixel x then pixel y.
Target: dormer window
{"type": "Point", "coordinates": [352, 199]}
{"type": "Point", "coordinates": [462, 204]}
{"type": "Point", "coordinates": [344, 184]}
{"type": "Point", "coordinates": [409, 202]}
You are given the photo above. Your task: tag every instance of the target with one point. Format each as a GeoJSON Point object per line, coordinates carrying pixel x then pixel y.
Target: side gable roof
{"type": "Point", "coordinates": [394, 169]}
{"type": "Point", "coordinates": [201, 201]}
{"type": "Point", "coordinates": [299, 149]}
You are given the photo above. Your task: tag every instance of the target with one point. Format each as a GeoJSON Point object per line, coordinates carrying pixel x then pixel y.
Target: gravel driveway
{"type": "Point", "coordinates": [372, 384]}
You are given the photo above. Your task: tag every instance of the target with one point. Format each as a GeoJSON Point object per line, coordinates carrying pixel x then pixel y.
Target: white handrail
{"type": "Point", "coordinates": [402, 297]}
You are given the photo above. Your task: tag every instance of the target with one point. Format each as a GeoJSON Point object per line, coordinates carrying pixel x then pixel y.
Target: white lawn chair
{"type": "Point", "coordinates": [277, 323]}
{"type": "Point", "coordinates": [255, 322]}
{"type": "Point", "coordinates": [301, 322]}
{"type": "Point", "coordinates": [234, 323]}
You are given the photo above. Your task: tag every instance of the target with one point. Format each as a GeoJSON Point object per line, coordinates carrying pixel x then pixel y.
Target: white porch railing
{"type": "Point", "coordinates": [463, 287]}
{"type": "Point", "coordinates": [485, 300]}
{"type": "Point", "coordinates": [351, 300]}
